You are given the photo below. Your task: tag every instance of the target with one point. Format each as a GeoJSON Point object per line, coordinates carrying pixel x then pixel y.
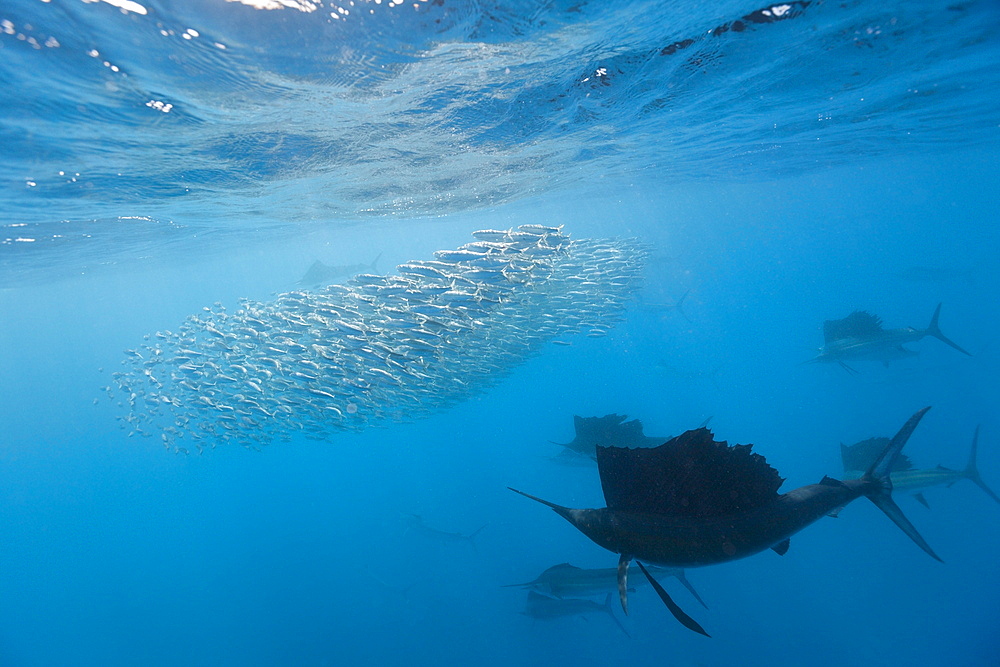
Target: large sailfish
{"type": "Point", "coordinates": [693, 501]}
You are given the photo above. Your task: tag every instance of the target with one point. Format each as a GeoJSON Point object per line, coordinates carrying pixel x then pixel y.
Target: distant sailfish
{"type": "Point", "coordinates": [324, 274]}
{"type": "Point", "coordinates": [416, 523]}
{"type": "Point", "coordinates": [543, 606]}
{"type": "Point", "coordinates": [677, 306]}
{"type": "Point", "coordinates": [860, 337]}
{"type": "Point", "coordinates": [694, 501]}
{"type": "Point", "coordinates": [565, 580]}
{"type": "Point", "coordinates": [907, 479]}
{"type": "Point", "coordinates": [610, 429]}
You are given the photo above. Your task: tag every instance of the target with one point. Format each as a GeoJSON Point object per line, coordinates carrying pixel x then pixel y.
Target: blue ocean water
{"type": "Point", "coordinates": [786, 164]}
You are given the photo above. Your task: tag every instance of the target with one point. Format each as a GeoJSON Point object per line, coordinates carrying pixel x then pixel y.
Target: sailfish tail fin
{"type": "Point", "coordinates": [679, 306]}
{"type": "Point", "coordinates": [880, 490]}
{"type": "Point", "coordinates": [934, 330]}
{"type": "Point", "coordinates": [471, 537]}
{"type": "Point", "coordinates": [972, 470]}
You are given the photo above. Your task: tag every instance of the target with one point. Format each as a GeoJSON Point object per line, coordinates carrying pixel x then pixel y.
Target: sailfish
{"type": "Point", "coordinates": [323, 274]}
{"type": "Point", "coordinates": [908, 479]}
{"type": "Point", "coordinates": [693, 502]}
{"type": "Point", "coordinates": [860, 336]}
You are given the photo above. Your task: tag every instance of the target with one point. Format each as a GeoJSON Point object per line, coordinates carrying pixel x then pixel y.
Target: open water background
{"type": "Point", "coordinates": [786, 173]}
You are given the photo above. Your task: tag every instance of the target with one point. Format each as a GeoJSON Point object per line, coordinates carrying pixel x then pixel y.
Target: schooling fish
{"type": "Point", "coordinates": [907, 479]}
{"type": "Point", "coordinates": [860, 336]}
{"type": "Point", "coordinates": [694, 501]}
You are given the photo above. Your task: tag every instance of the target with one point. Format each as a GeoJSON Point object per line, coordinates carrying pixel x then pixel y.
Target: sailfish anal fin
{"type": "Point", "coordinates": [781, 548]}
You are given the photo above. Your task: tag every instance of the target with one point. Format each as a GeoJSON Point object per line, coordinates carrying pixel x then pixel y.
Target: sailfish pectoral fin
{"type": "Point", "coordinates": [847, 368]}
{"type": "Point", "coordinates": [623, 563]}
{"type": "Point", "coordinates": [678, 613]}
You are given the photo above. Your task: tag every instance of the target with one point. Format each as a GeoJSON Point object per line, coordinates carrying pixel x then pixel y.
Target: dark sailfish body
{"type": "Point", "coordinates": [694, 501]}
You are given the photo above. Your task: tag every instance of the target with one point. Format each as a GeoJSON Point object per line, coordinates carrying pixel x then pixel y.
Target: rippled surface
{"type": "Point", "coordinates": [129, 125]}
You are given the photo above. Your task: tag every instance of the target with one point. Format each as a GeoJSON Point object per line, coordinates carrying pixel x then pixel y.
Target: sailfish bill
{"type": "Point", "coordinates": [693, 502]}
